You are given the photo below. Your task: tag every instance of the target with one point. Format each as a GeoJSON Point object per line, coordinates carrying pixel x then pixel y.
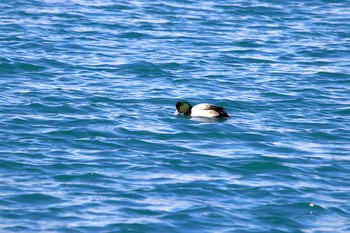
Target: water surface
{"type": "Point", "coordinates": [89, 142]}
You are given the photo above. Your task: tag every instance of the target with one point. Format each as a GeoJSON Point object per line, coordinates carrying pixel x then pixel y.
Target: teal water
{"type": "Point", "coordinates": [89, 142]}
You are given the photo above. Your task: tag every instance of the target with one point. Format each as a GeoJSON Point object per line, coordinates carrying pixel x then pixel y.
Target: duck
{"type": "Point", "coordinates": [200, 110]}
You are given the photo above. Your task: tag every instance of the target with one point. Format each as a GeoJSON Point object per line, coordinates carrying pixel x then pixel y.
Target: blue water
{"type": "Point", "coordinates": [89, 142]}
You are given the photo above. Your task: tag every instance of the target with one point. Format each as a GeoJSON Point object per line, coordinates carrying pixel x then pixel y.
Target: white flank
{"type": "Point", "coordinates": [201, 110]}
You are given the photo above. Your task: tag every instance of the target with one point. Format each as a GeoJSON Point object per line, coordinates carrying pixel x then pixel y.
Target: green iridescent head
{"type": "Point", "coordinates": [183, 107]}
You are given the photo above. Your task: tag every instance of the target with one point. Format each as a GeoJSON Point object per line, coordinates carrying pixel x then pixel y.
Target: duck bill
{"type": "Point", "coordinates": [176, 112]}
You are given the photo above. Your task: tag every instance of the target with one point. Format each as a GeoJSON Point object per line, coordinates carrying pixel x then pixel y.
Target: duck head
{"type": "Point", "coordinates": [182, 107]}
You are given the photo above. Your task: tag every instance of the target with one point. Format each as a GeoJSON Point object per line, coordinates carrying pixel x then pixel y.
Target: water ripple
{"type": "Point", "coordinates": [89, 142]}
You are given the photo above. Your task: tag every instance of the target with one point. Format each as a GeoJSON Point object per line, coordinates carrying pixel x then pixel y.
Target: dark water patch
{"type": "Point", "coordinates": [337, 75]}
{"type": "Point", "coordinates": [37, 198]}
{"type": "Point", "coordinates": [249, 44]}
{"type": "Point", "coordinates": [268, 167]}
{"type": "Point", "coordinates": [134, 35]}
{"type": "Point", "coordinates": [90, 177]}
{"type": "Point", "coordinates": [244, 60]}
{"type": "Point", "coordinates": [344, 112]}
{"type": "Point", "coordinates": [18, 228]}
{"type": "Point", "coordinates": [24, 67]}
{"type": "Point", "coordinates": [142, 68]}
{"type": "Point", "coordinates": [26, 165]}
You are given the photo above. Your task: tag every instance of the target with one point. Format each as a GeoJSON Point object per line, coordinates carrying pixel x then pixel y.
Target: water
{"type": "Point", "coordinates": [89, 142]}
